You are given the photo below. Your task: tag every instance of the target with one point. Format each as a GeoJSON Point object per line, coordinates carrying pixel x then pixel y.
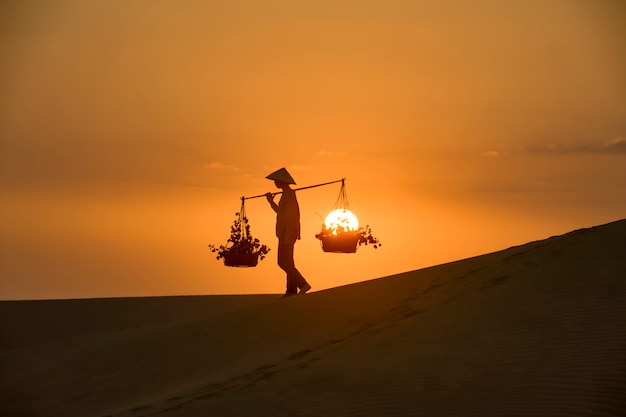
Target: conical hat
{"type": "Point", "coordinates": [281, 175]}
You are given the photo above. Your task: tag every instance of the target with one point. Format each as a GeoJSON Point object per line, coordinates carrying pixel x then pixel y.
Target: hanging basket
{"type": "Point", "coordinates": [244, 260]}
{"type": "Point", "coordinates": [343, 234]}
{"type": "Point", "coordinates": [241, 249]}
{"type": "Point", "coordinates": [346, 242]}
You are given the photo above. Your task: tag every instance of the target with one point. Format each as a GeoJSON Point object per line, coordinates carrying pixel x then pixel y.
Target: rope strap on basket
{"type": "Point", "coordinates": [243, 220]}
{"type": "Point", "coordinates": [342, 199]}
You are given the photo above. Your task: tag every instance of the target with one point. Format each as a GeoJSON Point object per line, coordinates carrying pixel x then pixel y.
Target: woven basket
{"type": "Point", "coordinates": [243, 260]}
{"type": "Point", "coordinates": [340, 243]}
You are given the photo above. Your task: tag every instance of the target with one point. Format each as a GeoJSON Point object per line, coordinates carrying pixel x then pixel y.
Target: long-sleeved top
{"type": "Point", "coordinates": [288, 216]}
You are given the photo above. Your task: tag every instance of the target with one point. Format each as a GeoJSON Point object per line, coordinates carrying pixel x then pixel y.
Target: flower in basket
{"type": "Point", "coordinates": [341, 233]}
{"type": "Point", "coordinates": [241, 248]}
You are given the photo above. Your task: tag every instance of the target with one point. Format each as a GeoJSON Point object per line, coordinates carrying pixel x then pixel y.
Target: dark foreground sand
{"type": "Point", "coordinates": [535, 330]}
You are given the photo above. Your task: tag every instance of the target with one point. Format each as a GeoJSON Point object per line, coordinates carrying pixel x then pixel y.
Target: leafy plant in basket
{"type": "Point", "coordinates": [342, 239]}
{"type": "Point", "coordinates": [241, 249]}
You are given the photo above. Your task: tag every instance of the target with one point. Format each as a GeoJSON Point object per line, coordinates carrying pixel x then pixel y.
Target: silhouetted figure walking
{"type": "Point", "coordinates": [287, 230]}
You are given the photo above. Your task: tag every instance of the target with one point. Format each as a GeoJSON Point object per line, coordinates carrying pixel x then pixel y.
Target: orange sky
{"type": "Point", "coordinates": [129, 131]}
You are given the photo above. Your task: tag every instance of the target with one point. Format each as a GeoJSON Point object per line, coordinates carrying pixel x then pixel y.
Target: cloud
{"type": "Point", "coordinates": [324, 152]}
{"type": "Point", "coordinates": [617, 145]}
{"type": "Point", "coordinates": [300, 168]}
{"type": "Point", "coordinates": [614, 146]}
{"type": "Point", "coordinates": [221, 166]}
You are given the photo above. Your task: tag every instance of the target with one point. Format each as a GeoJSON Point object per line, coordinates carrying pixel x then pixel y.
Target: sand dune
{"type": "Point", "coordinates": [534, 330]}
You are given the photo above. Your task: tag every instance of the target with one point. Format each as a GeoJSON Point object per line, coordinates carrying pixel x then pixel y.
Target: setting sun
{"type": "Point", "coordinates": [341, 218]}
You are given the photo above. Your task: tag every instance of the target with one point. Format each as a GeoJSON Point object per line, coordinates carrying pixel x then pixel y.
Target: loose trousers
{"type": "Point", "coordinates": [295, 279]}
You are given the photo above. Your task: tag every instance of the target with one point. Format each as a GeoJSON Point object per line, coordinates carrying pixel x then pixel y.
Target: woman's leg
{"type": "Point", "coordinates": [286, 263]}
{"type": "Point", "coordinates": [295, 279]}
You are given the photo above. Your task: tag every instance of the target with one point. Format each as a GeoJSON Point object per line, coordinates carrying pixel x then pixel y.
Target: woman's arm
{"type": "Point", "coordinates": [270, 199]}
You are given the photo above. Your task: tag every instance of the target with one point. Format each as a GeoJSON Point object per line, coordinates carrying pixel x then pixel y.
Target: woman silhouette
{"type": "Point", "coordinates": [287, 230]}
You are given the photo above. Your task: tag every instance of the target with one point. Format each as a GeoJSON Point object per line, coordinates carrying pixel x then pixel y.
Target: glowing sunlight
{"type": "Point", "coordinates": [341, 219]}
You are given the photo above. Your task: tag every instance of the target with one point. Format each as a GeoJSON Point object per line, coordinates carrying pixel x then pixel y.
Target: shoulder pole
{"type": "Point", "coordinates": [297, 189]}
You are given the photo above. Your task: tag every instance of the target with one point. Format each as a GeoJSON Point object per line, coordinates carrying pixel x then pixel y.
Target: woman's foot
{"type": "Point", "coordinates": [304, 288]}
